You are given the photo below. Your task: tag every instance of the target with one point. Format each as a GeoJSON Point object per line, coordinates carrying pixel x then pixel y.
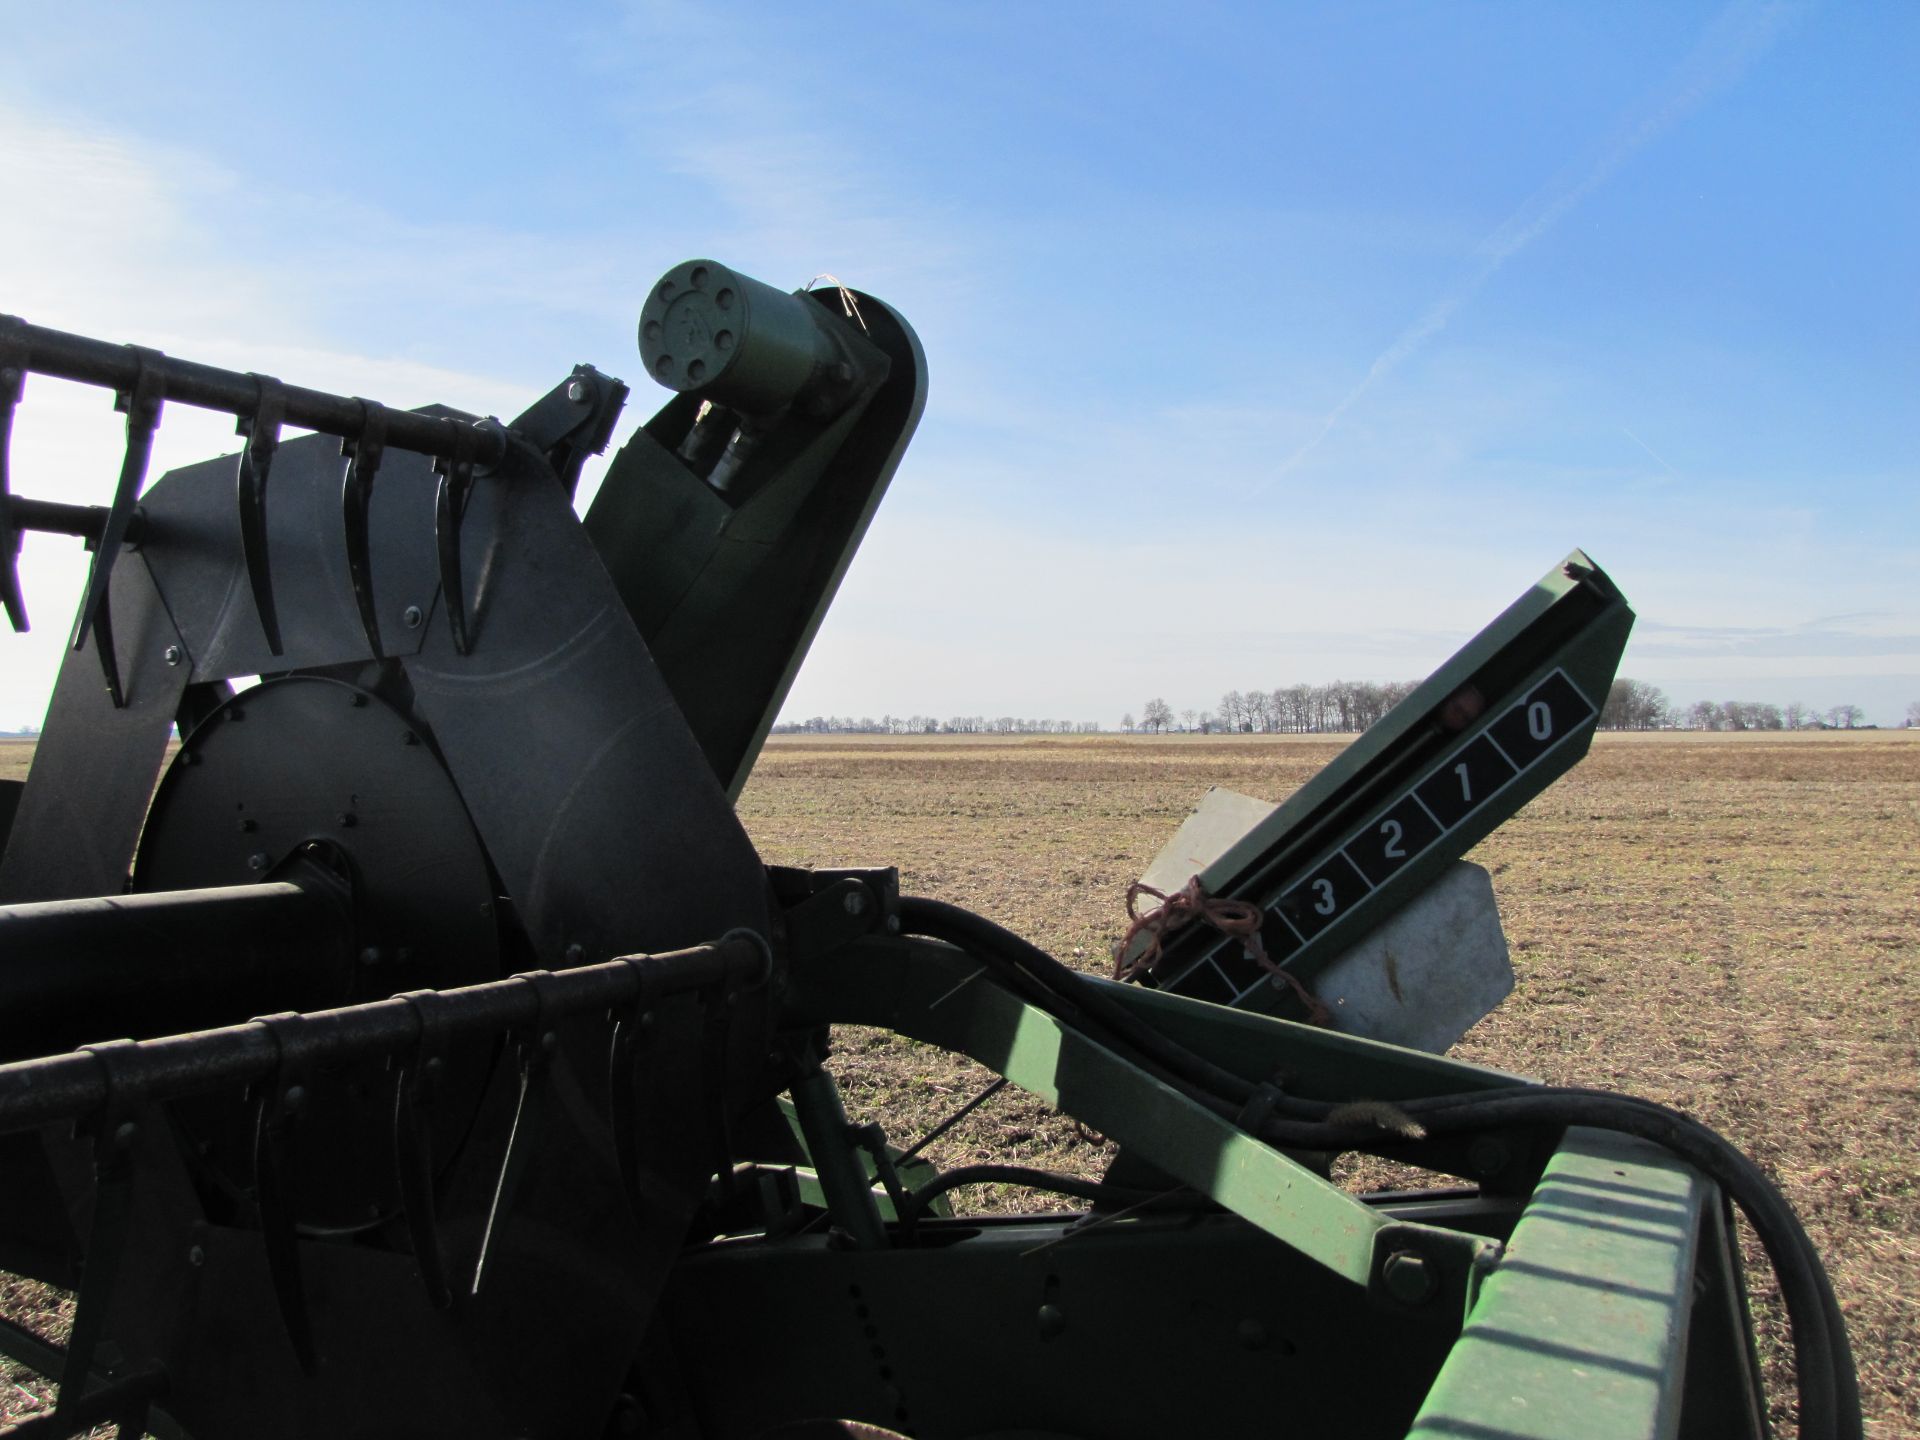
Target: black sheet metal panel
{"type": "Point", "coordinates": [729, 592]}
{"type": "Point", "coordinates": [307, 759]}
{"type": "Point", "coordinates": [193, 542]}
{"type": "Point", "coordinates": [602, 819]}
{"type": "Point", "coordinates": [1153, 1326]}
{"type": "Point", "coordinates": [593, 801]}
{"type": "Point", "coordinates": [93, 770]}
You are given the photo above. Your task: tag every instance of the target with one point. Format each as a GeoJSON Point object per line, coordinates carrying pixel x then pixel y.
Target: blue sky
{"type": "Point", "coordinates": [1267, 343]}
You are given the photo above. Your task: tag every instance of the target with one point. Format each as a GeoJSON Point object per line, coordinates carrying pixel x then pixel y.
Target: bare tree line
{"type": "Point", "coordinates": [933, 725]}
{"type": "Point", "coordinates": [1636, 705]}
{"type": "Point", "coordinates": [1349, 706]}
{"type": "Point", "coordinates": [1342, 706]}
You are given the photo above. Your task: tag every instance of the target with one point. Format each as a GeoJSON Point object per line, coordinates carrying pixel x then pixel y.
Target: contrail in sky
{"type": "Point", "coordinates": [1736, 38]}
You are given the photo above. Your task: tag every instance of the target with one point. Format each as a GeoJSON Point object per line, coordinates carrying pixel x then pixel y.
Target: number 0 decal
{"type": "Point", "coordinates": [1540, 720]}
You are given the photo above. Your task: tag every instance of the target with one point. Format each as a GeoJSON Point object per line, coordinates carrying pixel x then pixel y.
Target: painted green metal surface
{"type": "Point", "coordinates": [728, 584]}
{"type": "Point", "coordinates": [935, 993]}
{"type": "Point", "coordinates": [1484, 734]}
{"type": "Point", "coordinates": [1580, 1328]}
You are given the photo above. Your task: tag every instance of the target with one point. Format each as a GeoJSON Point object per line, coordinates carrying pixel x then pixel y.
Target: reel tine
{"type": "Point", "coordinates": [413, 1144]}
{"type": "Point", "coordinates": [449, 508]}
{"type": "Point", "coordinates": [536, 1044]}
{"type": "Point", "coordinates": [275, 1131]}
{"type": "Point", "coordinates": [719, 1030]}
{"type": "Point", "coordinates": [14, 357]}
{"type": "Point", "coordinates": [114, 1129]}
{"type": "Point", "coordinates": [262, 432]}
{"type": "Point", "coordinates": [142, 402]}
{"type": "Point", "coordinates": [623, 1061]}
{"type": "Point", "coordinates": [364, 453]}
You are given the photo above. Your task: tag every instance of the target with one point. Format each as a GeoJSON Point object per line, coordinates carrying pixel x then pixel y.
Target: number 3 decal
{"type": "Point", "coordinates": [1324, 905]}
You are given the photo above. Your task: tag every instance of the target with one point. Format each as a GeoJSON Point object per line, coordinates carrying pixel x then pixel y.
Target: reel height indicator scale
{"type": "Point", "coordinates": [1507, 715]}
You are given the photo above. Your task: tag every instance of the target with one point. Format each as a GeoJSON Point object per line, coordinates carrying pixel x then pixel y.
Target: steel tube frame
{"type": "Point", "coordinates": [58, 1087]}
{"type": "Point", "coordinates": [89, 361]}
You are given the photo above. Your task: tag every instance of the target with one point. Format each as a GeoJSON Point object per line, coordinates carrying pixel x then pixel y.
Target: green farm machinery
{"type": "Point", "coordinates": [420, 1047]}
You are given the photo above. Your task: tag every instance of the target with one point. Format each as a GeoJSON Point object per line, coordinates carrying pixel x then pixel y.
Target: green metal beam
{"type": "Point", "coordinates": [935, 993]}
{"type": "Point", "coordinates": [1580, 1328]}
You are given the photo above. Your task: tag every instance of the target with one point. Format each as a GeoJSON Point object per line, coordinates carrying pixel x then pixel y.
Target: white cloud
{"type": "Point", "coordinates": [123, 239]}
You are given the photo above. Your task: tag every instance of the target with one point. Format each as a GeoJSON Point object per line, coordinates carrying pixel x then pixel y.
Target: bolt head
{"type": "Point", "coordinates": [1487, 1156]}
{"type": "Point", "coordinates": [856, 902]}
{"type": "Point", "coordinates": [579, 392]}
{"type": "Point", "coordinates": [1409, 1278]}
{"type": "Point", "coordinates": [196, 1256]}
{"type": "Point", "coordinates": [412, 617]}
{"type": "Point", "coordinates": [175, 654]}
{"type": "Point", "coordinates": [257, 860]}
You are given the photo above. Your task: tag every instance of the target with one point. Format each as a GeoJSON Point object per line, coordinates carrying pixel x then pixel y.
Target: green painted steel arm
{"type": "Point", "coordinates": [933, 992]}
{"type": "Point", "coordinates": [729, 520]}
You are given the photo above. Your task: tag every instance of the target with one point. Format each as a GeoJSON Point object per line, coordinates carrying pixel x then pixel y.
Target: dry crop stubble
{"type": "Point", "coordinates": [1727, 924]}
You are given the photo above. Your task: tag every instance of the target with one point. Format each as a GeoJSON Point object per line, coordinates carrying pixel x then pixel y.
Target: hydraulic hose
{"type": "Point", "coordinates": [1829, 1393]}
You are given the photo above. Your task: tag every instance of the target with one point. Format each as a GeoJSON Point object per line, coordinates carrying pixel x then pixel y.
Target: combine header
{"type": "Point", "coordinates": [422, 1049]}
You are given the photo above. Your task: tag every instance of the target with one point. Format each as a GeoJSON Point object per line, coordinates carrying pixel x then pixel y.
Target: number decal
{"type": "Point", "coordinates": [1539, 720]}
{"type": "Point", "coordinates": [1466, 786]}
{"type": "Point", "coordinates": [1324, 905]}
{"type": "Point", "coordinates": [1393, 831]}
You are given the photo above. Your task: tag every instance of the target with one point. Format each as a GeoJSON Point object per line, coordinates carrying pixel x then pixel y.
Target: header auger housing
{"type": "Point", "coordinates": [422, 1048]}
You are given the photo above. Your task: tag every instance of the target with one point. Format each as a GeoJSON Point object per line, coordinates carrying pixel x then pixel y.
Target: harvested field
{"type": "Point", "coordinates": [1729, 924]}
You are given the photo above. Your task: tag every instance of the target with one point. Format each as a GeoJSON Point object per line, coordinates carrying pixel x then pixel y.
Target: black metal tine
{"type": "Point", "coordinates": [282, 1097]}
{"type": "Point", "coordinates": [262, 432]}
{"type": "Point", "coordinates": [133, 1420]}
{"type": "Point", "coordinates": [449, 507]}
{"type": "Point", "coordinates": [535, 1044]}
{"type": "Point", "coordinates": [14, 358]}
{"type": "Point", "coordinates": [719, 1033]}
{"type": "Point", "coordinates": [114, 1128]}
{"type": "Point", "coordinates": [142, 402]}
{"type": "Point", "coordinates": [630, 1021]}
{"type": "Point", "coordinates": [414, 1091]}
{"type": "Point", "coordinates": [364, 453]}
{"type": "Point", "coordinates": [103, 646]}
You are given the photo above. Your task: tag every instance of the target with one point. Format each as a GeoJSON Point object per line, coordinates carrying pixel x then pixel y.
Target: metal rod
{"type": "Point", "coordinates": [33, 1092]}
{"type": "Point", "coordinates": [54, 517]}
{"type": "Point", "coordinates": [101, 362]}
{"type": "Point", "coordinates": [152, 964]}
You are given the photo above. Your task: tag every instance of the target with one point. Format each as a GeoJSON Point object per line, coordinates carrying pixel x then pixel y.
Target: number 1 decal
{"type": "Point", "coordinates": [1466, 786]}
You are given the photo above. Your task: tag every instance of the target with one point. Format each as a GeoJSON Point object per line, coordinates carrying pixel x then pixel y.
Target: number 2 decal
{"type": "Point", "coordinates": [1324, 905]}
{"type": "Point", "coordinates": [1392, 830]}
